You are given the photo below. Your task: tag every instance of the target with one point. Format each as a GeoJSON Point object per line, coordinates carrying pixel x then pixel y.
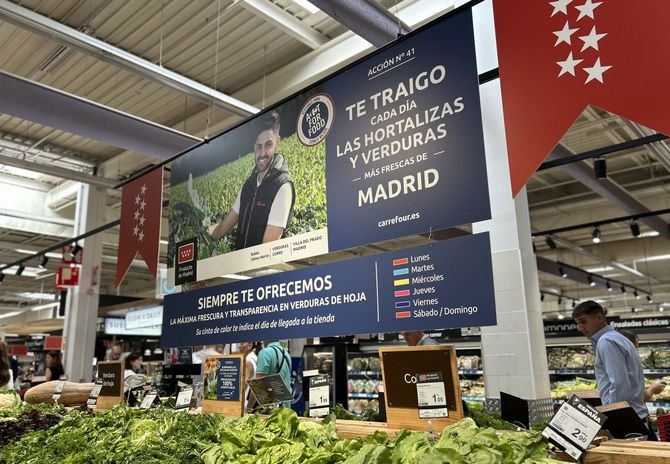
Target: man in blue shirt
{"type": "Point", "coordinates": [274, 359]}
{"type": "Point", "coordinates": [618, 368]}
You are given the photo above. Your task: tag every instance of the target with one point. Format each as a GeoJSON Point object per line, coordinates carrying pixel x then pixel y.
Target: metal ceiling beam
{"type": "Point", "coordinates": [285, 21]}
{"type": "Point", "coordinates": [366, 19]}
{"type": "Point", "coordinates": [51, 107]}
{"type": "Point", "coordinates": [601, 259]}
{"type": "Point", "coordinates": [70, 37]}
{"type": "Point", "coordinates": [607, 188]}
{"type": "Point", "coordinates": [56, 171]}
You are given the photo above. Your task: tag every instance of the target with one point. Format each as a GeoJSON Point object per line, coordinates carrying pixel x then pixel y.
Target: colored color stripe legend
{"type": "Point", "coordinates": [400, 262]}
{"type": "Point", "coordinates": [401, 304]}
{"type": "Point", "coordinates": [399, 282]}
{"type": "Point", "coordinates": [402, 271]}
{"type": "Point", "coordinates": [399, 293]}
{"type": "Point", "coordinates": [403, 315]}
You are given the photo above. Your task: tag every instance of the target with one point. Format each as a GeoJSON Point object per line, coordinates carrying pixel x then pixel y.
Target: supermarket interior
{"type": "Point", "coordinates": [367, 231]}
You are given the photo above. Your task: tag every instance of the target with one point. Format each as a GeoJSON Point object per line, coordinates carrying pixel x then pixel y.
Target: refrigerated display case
{"type": "Point", "coordinates": [364, 381]}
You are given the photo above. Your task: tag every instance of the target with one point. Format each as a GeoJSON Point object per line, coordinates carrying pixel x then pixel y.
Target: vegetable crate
{"type": "Point", "coordinates": [663, 427]}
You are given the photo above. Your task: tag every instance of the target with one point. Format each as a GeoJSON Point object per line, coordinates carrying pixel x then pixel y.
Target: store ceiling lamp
{"type": "Point", "coordinates": [43, 261]}
{"type": "Point", "coordinates": [634, 228]}
{"type": "Point", "coordinates": [574, 303]}
{"type": "Point", "coordinates": [560, 300]}
{"type": "Point", "coordinates": [609, 286]}
{"type": "Point", "coordinates": [561, 316]}
{"type": "Point", "coordinates": [541, 296]}
{"type": "Point", "coordinates": [600, 168]}
{"type": "Point", "coordinates": [20, 269]}
{"type": "Point", "coordinates": [649, 299]}
{"type": "Point", "coordinates": [561, 270]}
{"type": "Point", "coordinates": [2, 276]}
{"type": "Point", "coordinates": [550, 242]}
{"type": "Point", "coordinates": [636, 295]}
{"type": "Point", "coordinates": [592, 282]}
{"type": "Point", "coordinates": [623, 289]}
{"type": "Point", "coordinates": [76, 249]}
{"type": "Point", "coordinates": [596, 234]}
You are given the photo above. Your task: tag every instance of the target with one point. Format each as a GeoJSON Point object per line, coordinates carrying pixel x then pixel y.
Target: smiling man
{"type": "Point", "coordinates": [265, 202]}
{"type": "Point", "coordinates": [618, 368]}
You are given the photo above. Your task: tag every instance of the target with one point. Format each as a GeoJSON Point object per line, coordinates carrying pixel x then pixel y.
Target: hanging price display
{"type": "Point", "coordinates": [574, 426]}
{"type": "Point", "coordinates": [319, 396]}
{"type": "Point", "coordinates": [431, 396]}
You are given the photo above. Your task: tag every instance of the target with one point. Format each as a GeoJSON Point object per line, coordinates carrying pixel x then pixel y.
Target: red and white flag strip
{"type": "Point", "coordinates": [141, 206]}
{"type": "Point", "coordinates": [558, 56]}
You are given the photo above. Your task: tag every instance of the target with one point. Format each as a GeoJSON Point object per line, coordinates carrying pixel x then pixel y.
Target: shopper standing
{"type": "Point", "coordinates": [54, 369]}
{"type": "Point", "coordinates": [618, 368]}
{"type": "Point", "coordinates": [418, 338]}
{"type": "Point", "coordinates": [274, 359]}
{"type": "Point", "coordinates": [251, 360]}
{"type": "Point", "coordinates": [133, 364]}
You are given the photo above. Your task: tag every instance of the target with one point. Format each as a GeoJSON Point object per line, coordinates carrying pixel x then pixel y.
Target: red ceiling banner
{"type": "Point", "coordinates": [557, 57]}
{"type": "Point", "coordinates": [66, 277]}
{"type": "Point", "coordinates": [141, 205]}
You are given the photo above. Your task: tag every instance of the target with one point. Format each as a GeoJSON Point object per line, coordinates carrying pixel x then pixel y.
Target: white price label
{"type": "Point", "coordinates": [318, 412]}
{"type": "Point", "coordinates": [184, 398]}
{"type": "Point", "coordinates": [433, 413]}
{"type": "Point", "coordinates": [95, 392]}
{"type": "Point", "coordinates": [149, 399]}
{"type": "Point", "coordinates": [319, 396]}
{"type": "Point", "coordinates": [431, 394]}
{"type": "Point", "coordinates": [574, 426]}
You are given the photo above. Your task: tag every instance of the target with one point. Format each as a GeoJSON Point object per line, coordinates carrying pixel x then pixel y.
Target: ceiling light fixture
{"type": "Point", "coordinates": [596, 234]}
{"type": "Point", "coordinates": [75, 250]}
{"type": "Point", "coordinates": [550, 242]}
{"type": "Point", "coordinates": [43, 262]}
{"type": "Point", "coordinates": [574, 303]}
{"type": "Point", "coordinates": [20, 269]}
{"type": "Point", "coordinates": [609, 286]}
{"type": "Point", "coordinates": [2, 276]}
{"type": "Point", "coordinates": [634, 228]}
{"type": "Point", "coordinates": [541, 296]}
{"type": "Point", "coordinates": [560, 300]}
{"type": "Point", "coordinates": [591, 282]}
{"type": "Point", "coordinates": [561, 316]}
{"type": "Point", "coordinates": [561, 270]}
{"type": "Point", "coordinates": [623, 289]}
{"type": "Point", "coordinates": [649, 299]}
{"type": "Point", "coordinates": [600, 168]}
{"type": "Point", "coordinates": [636, 295]}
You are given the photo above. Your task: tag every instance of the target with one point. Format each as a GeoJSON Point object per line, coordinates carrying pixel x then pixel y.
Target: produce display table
{"type": "Point", "coordinates": [629, 452]}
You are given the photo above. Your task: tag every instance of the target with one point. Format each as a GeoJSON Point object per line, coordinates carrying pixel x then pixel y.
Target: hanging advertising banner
{"type": "Point", "coordinates": [358, 158]}
{"type": "Point", "coordinates": [443, 285]}
{"type": "Point", "coordinates": [569, 55]}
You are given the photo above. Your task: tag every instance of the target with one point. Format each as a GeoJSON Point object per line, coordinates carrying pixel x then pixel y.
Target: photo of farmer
{"type": "Point", "coordinates": [264, 204]}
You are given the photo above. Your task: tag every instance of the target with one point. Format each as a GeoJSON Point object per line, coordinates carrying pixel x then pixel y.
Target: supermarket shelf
{"type": "Point", "coordinates": [470, 372]}
{"type": "Point", "coordinates": [473, 398]}
{"type": "Point", "coordinates": [660, 403]}
{"type": "Point", "coordinates": [590, 371]}
{"type": "Point", "coordinates": [365, 373]}
{"type": "Point", "coordinates": [364, 395]}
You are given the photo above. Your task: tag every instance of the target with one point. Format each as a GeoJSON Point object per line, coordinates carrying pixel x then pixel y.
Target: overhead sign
{"type": "Point", "coordinates": [66, 277]}
{"type": "Point", "coordinates": [146, 317]}
{"type": "Point", "coordinates": [117, 326]}
{"type": "Point", "coordinates": [359, 158]}
{"type": "Point", "coordinates": [446, 284]}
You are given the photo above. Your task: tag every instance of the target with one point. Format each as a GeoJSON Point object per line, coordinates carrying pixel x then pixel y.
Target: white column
{"type": "Point", "coordinates": [514, 351]}
{"type": "Point", "coordinates": [81, 311]}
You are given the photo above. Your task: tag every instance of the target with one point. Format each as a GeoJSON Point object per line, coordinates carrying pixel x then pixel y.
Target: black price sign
{"type": "Point", "coordinates": [574, 426]}
{"type": "Point", "coordinates": [270, 389]}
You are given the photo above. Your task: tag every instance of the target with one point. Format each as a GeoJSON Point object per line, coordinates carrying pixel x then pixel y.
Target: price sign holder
{"type": "Point", "coordinates": [431, 396]}
{"type": "Point", "coordinates": [514, 410]}
{"type": "Point", "coordinates": [111, 392]}
{"type": "Point", "coordinates": [58, 391]}
{"type": "Point", "coordinates": [319, 395]}
{"type": "Point", "coordinates": [184, 397]}
{"type": "Point", "coordinates": [270, 389]}
{"type": "Point", "coordinates": [402, 371]}
{"type": "Point", "coordinates": [95, 392]}
{"type": "Point", "coordinates": [149, 399]}
{"type": "Point", "coordinates": [223, 384]}
{"type": "Point", "coordinates": [622, 420]}
{"type": "Point", "coordinates": [574, 426]}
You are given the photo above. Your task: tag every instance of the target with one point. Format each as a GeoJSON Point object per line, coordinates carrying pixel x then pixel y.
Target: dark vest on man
{"type": "Point", "coordinates": [256, 202]}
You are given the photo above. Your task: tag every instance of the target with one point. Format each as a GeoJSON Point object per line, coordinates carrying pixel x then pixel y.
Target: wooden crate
{"type": "Point", "coordinates": [629, 452]}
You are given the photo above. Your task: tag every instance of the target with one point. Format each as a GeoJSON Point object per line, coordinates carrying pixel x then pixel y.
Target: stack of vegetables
{"type": "Point", "coordinates": [124, 435]}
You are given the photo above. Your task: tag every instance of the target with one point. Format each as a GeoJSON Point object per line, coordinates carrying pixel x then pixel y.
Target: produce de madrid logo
{"type": "Point", "coordinates": [315, 119]}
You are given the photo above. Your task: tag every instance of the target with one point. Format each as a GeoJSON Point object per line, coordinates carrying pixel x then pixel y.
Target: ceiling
{"type": "Point", "coordinates": [229, 46]}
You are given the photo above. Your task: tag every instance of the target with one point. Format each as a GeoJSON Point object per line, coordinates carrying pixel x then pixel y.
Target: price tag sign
{"type": "Point", "coordinates": [184, 398]}
{"type": "Point", "coordinates": [574, 426]}
{"type": "Point", "coordinates": [58, 390]}
{"type": "Point", "coordinates": [95, 392]}
{"type": "Point", "coordinates": [431, 396]}
{"type": "Point", "coordinates": [150, 398]}
{"type": "Point", "coordinates": [319, 395]}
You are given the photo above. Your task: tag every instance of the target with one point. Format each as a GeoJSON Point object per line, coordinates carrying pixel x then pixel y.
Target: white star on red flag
{"type": "Point", "coordinates": [564, 34]}
{"type": "Point", "coordinates": [596, 72]}
{"type": "Point", "coordinates": [560, 6]}
{"type": "Point", "coordinates": [591, 40]}
{"type": "Point", "coordinates": [568, 66]}
{"type": "Point", "coordinates": [587, 9]}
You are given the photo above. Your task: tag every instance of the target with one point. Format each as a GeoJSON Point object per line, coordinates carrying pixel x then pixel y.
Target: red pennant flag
{"type": "Point", "coordinates": [558, 56]}
{"type": "Point", "coordinates": [141, 206]}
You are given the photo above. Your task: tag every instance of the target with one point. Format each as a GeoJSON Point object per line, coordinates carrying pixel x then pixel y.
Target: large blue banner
{"type": "Point", "coordinates": [391, 146]}
{"type": "Point", "coordinates": [443, 285]}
